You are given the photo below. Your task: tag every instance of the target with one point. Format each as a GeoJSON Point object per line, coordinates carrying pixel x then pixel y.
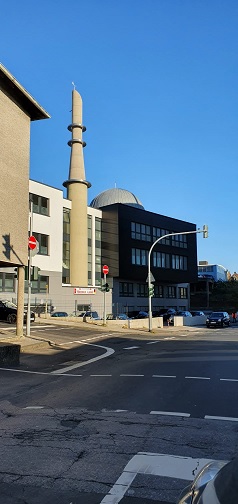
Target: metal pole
{"type": "Point", "coordinates": [149, 273]}
{"type": "Point", "coordinates": [104, 300]}
{"type": "Point", "coordinates": [28, 320]}
{"type": "Point", "coordinates": [149, 277]}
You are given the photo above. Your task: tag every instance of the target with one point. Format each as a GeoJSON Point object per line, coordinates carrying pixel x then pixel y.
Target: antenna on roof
{"type": "Point", "coordinates": [74, 85]}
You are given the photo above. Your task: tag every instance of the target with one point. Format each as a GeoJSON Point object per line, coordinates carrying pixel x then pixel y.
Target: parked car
{"type": "Point", "coordinates": [197, 313]}
{"type": "Point", "coordinates": [179, 314]}
{"type": "Point", "coordinates": [166, 313]}
{"type": "Point", "coordinates": [91, 314]}
{"type": "Point", "coordinates": [142, 315]}
{"type": "Point", "coordinates": [218, 319]}
{"type": "Point", "coordinates": [59, 314]}
{"type": "Point", "coordinates": [216, 483]}
{"type": "Point", "coordinates": [122, 316]}
{"type": "Point", "coordinates": [8, 312]}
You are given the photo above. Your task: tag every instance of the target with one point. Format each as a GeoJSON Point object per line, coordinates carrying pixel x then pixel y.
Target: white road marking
{"type": "Point", "coordinates": [109, 351]}
{"type": "Point", "coordinates": [153, 342]}
{"type": "Point", "coordinates": [169, 338]}
{"type": "Point", "coordinates": [228, 379]}
{"type": "Point", "coordinates": [231, 419]}
{"type": "Point", "coordinates": [105, 410]}
{"type": "Point", "coordinates": [100, 375]}
{"type": "Point", "coordinates": [197, 378]}
{"type": "Point", "coordinates": [135, 375]}
{"type": "Point", "coordinates": [34, 407]}
{"type": "Point", "coordinates": [163, 376]}
{"type": "Point", "coordinates": [170, 413]}
{"type": "Point", "coordinates": [130, 348]}
{"type": "Point", "coordinates": [157, 464]}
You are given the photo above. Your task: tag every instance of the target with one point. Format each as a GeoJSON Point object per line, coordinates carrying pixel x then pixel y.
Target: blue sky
{"type": "Point", "coordinates": [159, 82]}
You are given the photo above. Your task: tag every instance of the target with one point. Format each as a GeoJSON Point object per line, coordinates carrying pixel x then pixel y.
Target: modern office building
{"type": "Point", "coordinates": [76, 239]}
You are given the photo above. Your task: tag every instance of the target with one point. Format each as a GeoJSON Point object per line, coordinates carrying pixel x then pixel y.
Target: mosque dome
{"type": "Point", "coordinates": [116, 195]}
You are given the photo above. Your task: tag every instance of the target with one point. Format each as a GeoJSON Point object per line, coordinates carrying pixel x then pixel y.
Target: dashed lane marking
{"type": "Point", "coordinates": [163, 376]}
{"type": "Point", "coordinates": [230, 419]}
{"type": "Point", "coordinates": [228, 379]}
{"type": "Point", "coordinates": [170, 413]}
{"type": "Point", "coordinates": [131, 348]}
{"type": "Point", "coordinates": [131, 375]}
{"type": "Point", "coordinates": [197, 378]}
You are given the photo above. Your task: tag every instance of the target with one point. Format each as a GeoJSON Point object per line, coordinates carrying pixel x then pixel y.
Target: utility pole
{"type": "Point", "coordinates": [28, 320]}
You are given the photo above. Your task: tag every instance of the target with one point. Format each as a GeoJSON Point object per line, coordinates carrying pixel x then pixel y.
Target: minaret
{"type": "Point", "coordinates": [77, 192]}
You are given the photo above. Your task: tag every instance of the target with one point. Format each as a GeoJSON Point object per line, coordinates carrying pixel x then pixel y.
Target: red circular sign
{"type": "Point", "coordinates": [32, 242]}
{"type": "Point", "coordinates": [105, 269]}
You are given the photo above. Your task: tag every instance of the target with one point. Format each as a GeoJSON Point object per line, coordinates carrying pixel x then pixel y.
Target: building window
{"type": "Point", "coordinates": [183, 293]}
{"type": "Point", "coordinates": [43, 241]}
{"type": "Point", "coordinates": [171, 291]}
{"type": "Point", "coordinates": [161, 260]}
{"type": "Point", "coordinates": [139, 257]}
{"type": "Point", "coordinates": [140, 232]}
{"type": "Point", "coordinates": [179, 262]}
{"type": "Point", "coordinates": [142, 290]}
{"type": "Point", "coordinates": [179, 241]}
{"type": "Point", "coordinates": [7, 283]}
{"type": "Point", "coordinates": [158, 291]}
{"type": "Point", "coordinates": [40, 285]}
{"type": "Point", "coordinates": [66, 246]}
{"type": "Point", "coordinates": [40, 204]}
{"type": "Point", "coordinates": [98, 251]}
{"type": "Point", "coordinates": [158, 232]}
{"type": "Point", "coordinates": [126, 289]}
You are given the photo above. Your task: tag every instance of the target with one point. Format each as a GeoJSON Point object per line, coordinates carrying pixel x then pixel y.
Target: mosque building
{"type": "Point", "coordinates": [76, 239]}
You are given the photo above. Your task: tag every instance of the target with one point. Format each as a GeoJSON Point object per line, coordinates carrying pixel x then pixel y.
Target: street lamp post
{"type": "Point", "coordinates": [205, 235]}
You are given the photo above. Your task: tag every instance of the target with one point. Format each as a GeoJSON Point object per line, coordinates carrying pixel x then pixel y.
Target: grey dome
{"type": "Point", "coordinates": [116, 195]}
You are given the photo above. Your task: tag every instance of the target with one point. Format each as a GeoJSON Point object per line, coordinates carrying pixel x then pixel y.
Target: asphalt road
{"type": "Point", "coordinates": [74, 415]}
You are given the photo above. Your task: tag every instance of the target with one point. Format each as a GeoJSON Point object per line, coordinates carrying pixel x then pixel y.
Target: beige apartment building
{"type": "Point", "coordinates": [18, 109]}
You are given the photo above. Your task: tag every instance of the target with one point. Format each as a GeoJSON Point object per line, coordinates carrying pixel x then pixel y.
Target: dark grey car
{"type": "Point", "coordinates": [218, 319]}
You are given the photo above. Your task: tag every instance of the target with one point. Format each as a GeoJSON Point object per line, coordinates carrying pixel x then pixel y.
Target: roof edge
{"type": "Point", "coordinates": [36, 110]}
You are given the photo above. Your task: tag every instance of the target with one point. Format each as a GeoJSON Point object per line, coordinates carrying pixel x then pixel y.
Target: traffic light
{"type": "Point", "coordinates": [105, 287]}
{"type": "Point", "coordinates": [205, 231]}
{"type": "Point", "coordinates": [151, 290]}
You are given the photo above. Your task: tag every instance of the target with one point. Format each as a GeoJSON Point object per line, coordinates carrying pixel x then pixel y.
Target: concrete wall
{"type": "Point", "coordinates": [190, 321]}
{"type": "Point", "coordinates": [14, 187]}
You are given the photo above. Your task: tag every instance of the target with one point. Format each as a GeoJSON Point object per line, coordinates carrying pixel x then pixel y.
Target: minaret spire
{"type": "Point", "coordinates": [77, 192]}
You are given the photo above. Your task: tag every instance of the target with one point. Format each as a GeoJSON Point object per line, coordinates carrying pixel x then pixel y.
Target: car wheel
{"type": "Point", "coordinates": [11, 318]}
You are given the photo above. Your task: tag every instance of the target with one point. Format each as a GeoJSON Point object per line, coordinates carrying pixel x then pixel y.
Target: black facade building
{"type": "Point", "coordinates": [128, 233]}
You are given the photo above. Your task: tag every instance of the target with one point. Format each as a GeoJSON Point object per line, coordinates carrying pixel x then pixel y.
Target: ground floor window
{"type": "Point", "coordinates": [171, 291]}
{"type": "Point", "coordinates": [126, 289]}
{"type": "Point", "coordinates": [7, 282]}
{"type": "Point", "coordinates": [183, 293]}
{"type": "Point", "coordinates": [142, 290]}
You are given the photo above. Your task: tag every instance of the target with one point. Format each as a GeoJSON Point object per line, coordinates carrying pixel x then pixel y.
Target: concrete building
{"type": "Point", "coordinates": [18, 109]}
{"type": "Point", "coordinates": [76, 240]}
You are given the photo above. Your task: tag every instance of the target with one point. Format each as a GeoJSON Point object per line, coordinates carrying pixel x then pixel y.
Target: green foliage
{"type": "Point", "coordinates": [224, 296]}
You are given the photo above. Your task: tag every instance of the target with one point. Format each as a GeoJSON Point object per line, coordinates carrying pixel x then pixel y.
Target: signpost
{"type": "Point", "coordinates": [105, 270]}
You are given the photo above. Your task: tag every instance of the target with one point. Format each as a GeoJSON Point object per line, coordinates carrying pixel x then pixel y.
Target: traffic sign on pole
{"type": "Point", "coordinates": [105, 269]}
{"type": "Point", "coordinates": [32, 242]}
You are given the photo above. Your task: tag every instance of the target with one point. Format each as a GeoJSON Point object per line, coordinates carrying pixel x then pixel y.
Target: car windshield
{"type": "Point", "coordinates": [8, 304]}
{"type": "Point", "coordinates": [217, 314]}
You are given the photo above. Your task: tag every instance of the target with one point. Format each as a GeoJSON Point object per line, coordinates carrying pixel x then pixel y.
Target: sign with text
{"type": "Point", "coordinates": [84, 290]}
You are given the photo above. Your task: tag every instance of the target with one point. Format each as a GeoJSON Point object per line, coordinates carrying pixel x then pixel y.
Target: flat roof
{"type": "Point", "coordinates": [14, 90]}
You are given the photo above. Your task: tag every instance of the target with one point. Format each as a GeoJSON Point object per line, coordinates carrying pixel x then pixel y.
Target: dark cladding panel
{"type": "Point", "coordinates": [110, 240]}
